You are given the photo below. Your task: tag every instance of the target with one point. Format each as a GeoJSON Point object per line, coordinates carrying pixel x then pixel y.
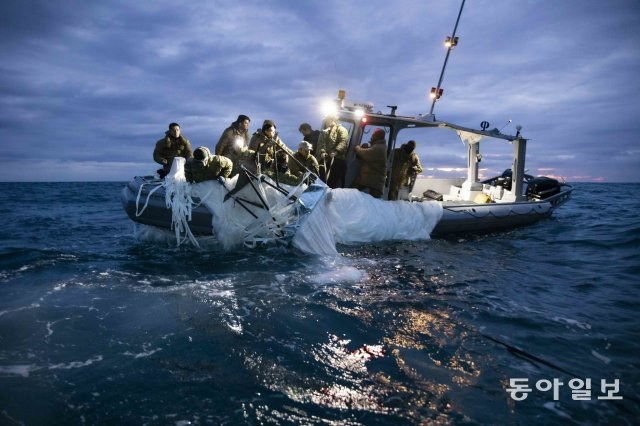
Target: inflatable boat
{"type": "Point", "coordinates": [425, 206]}
{"type": "Point", "coordinates": [144, 199]}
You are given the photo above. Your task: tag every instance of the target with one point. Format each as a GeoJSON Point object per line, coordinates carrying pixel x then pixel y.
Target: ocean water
{"type": "Point", "coordinates": [99, 327]}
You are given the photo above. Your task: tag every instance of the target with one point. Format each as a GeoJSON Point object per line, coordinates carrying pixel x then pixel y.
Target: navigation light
{"type": "Point", "coordinates": [450, 42]}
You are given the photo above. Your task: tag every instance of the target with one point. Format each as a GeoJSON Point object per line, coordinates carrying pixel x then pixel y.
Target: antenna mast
{"type": "Point", "coordinates": [450, 43]}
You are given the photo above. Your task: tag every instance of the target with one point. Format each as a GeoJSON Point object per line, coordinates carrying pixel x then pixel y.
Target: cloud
{"type": "Point", "coordinates": [99, 82]}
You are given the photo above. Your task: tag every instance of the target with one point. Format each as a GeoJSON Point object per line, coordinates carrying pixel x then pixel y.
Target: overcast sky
{"type": "Point", "coordinates": [88, 87]}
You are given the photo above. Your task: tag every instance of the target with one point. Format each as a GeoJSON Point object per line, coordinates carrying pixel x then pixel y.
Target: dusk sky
{"type": "Point", "coordinates": [88, 87]}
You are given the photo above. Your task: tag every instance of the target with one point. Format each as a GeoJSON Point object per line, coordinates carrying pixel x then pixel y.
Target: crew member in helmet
{"type": "Point", "coordinates": [279, 170]}
{"type": "Point", "coordinates": [204, 166]}
{"type": "Point", "coordinates": [174, 144]}
{"type": "Point", "coordinates": [406, 166]}
{"type": "Point", "coordinates": [237, 133]}
{"type": "Point", "coordinates": [373, 164]}
{"type": "Point", "coordinates": [303, 159]}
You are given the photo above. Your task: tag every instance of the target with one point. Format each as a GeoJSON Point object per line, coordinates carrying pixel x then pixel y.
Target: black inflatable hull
{"type": "Point", "coordinates": [457, 218]}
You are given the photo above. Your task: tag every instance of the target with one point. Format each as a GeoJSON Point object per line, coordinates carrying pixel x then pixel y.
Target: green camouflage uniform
{"type": "Point", "coordinates": [265, 148]}
{"type": "Point", "coordinates": [333, 139]}
{"type": "Point", "coordinates": [402, 170]}
{"type": "Point", "coordinates": [168, 147]}
{"type": "Point", "coordinates": [228, 139]}
{"type": "Point", "coordinates": [216, 165]}
{"type": "Point", "coordinates": [310, 163]}
{"type": "Point", "coordinates": [284, 177]}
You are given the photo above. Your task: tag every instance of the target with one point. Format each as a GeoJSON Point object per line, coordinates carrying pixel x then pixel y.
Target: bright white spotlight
{"type": "Point", "coordinates": [359, 113]}
{"type": "Point", "coordinates": [238, 143]}
{"type": "Point", "coordinates": [329, 108]}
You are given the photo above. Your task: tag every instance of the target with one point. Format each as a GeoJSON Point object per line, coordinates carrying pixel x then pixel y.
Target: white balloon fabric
{"type": "Point", "coordinates": [345, 216]}
{"type": "Point", "coordinates": [349, 216]}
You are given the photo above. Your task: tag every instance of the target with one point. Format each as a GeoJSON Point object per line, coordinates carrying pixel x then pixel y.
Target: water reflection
{"type": "Point", "coordinates": [417, 360]}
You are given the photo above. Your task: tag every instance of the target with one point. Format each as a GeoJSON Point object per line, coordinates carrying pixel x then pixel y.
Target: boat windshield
{"type": "Point", "coordinates": [347, 125]}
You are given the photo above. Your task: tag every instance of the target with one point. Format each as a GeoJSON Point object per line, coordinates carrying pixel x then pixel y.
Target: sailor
{"type": "Point", "coordinates": [373, 161]}
{"type": "Point", "coordinates": [331, 152]}
{"type": "Point", "coordinates": [242, 156]}
{"type": "Point", "coordinates": [303, 159]}
{"type": "Point", "coordinates": [310, 135]}
{"type": "Point", "coordinates": [237, 133]}
{"type": "Point", "coordinates": [204, 166]}
{"type": "Point", "coordinates": [172, 145]}
{"type": "Point", "coordinates": [281, 167]}
{"type": "Point", "coordinates": [406, 166]}
{"type": "Point", "coordinates": [265, 142]}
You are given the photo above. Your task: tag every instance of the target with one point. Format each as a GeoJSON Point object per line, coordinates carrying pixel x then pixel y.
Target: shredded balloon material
{"type": "Point", "coordinates": [311, 218]}
{"type": "Point", "coordinates": [178, 199]}
{"type": "Point", "coordinates": [250, 217]}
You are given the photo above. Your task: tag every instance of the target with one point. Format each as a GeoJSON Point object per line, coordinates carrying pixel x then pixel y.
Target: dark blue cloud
{"type": "Point", "coordinates": [86, 88]}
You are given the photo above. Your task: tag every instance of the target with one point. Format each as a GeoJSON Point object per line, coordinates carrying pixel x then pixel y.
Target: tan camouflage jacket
{"type": "Point", "coordinates": [403, 164]}
{"type": "Point", "coordinates": [265, 148]}
{"type": "Point", "coordinates": [333, 139]}
{"type": "Point", "coordinates": [310, 163]}
{"type": "Point", "coordinates": [198, 171]}
{"type": "Point", "coordinates": [228, 139]}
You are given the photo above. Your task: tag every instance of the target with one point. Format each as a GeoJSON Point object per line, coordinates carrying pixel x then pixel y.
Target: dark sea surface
{"type": "Point", "coordinates": [97, 327]}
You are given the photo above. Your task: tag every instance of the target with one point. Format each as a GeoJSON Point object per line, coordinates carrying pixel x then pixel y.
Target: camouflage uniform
{"type": "Point", "coordinates": [284, 177]}
{"type": "Point", "coordinates": [263, 145]}
{"type": "Point", "coordinates": [228, 138]}
{"type": "Point", "coordinates": [402, 170]}
{"type": "Point", "coordinates": [169, 147]}
{"type": "Point", "coordinates": [310, 163]}
{"type": "Point", "coordinates": [333, 139]}
{"type": "Point", "coordinates": [212, 167]}
{"type": "Point", "coordinates": [243, 156]}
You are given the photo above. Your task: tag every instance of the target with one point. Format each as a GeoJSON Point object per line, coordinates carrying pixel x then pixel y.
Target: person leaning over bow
{"type": "Point", "coordinates": [204, 166]}
{"type": "Point", "coordinates": [265, 142]}
{"type": "Point", "coordinates": [373, 164]}
{"type": "Point", "coordinates": [172, 145]}
{"type": "Point", "coordinates": [310, 135]}
{"type": "Point", "coordinates": [406, 164]}
{"type": "Point", "coordinates": [332, 151]}
{"type": "Point", "coordinates": [238, 132]}
{"type": "Point", "coordinates": [303, 158]}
